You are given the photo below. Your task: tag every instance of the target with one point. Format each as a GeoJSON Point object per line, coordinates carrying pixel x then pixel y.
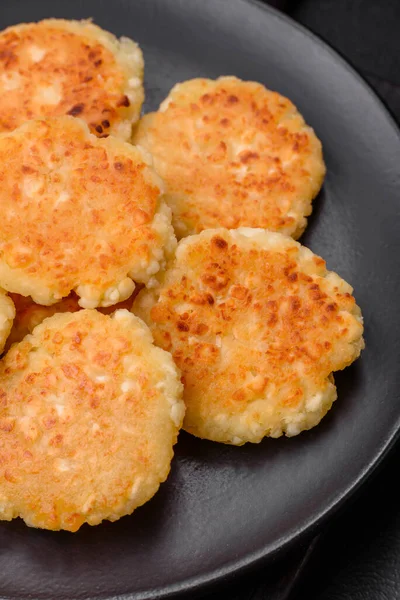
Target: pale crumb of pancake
{"type": "Point", "coordinates": [128, 385]}
{"type": "Point", "coordinates": [48, 95]}
{"type": "Point", "coordinates": [81, 404]}
{"type": "Point", "coordinates": [124, 232]}
{"type": "Point", "coordinates": [36, 53]}
{"type": "Point", "coordinates": [62, 465]}
{"type": "Point", "coordinates": [257, 326]}
{"type": "Point", "coordinates": [10, 81]}
{"type": "Point", "coordinates": [237, 441]}
{"type": "Point", "coordinates": [60, 409]}
{"type": "Point", "coordinates": [135, 488]}
{"type": "Point", "coordinates": [177, 413]}
{"type": "Point", "coordinates": [90, 298]}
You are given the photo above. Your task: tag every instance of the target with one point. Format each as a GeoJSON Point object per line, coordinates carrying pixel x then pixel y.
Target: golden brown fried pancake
{"type": "Point", "coordinates": [57, 67]}
{"type": "Point", "coordinates": [257, 325]}
{"type": "Point", "coordinates": [29, 314]}
{"type": "Point", "coordinates": [89, 412]}
{"type": "Point", "coordinates": [78, 213]}
{"type": "Point", "coordinates": [232, 154]}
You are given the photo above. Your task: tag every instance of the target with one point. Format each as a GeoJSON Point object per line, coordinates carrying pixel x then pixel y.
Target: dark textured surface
{"type": "Point", "coordinates": [358, 557]}
{"type": "Point", "coordinates": [223, 507]}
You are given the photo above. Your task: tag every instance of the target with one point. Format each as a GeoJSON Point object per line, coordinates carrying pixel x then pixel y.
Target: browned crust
{"type": "Point", "coordinates": [256, 329]}
{"type": "Point", "coordinates": [80, 66]}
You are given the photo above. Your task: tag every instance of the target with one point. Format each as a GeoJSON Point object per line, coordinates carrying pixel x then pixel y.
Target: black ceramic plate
{"type": "Point", "coordinates": [225, 508]}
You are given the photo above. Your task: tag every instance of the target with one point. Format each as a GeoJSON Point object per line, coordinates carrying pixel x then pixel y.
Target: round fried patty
{"type": "Point", "coordinates": [232, 154]}
{"type": "Point", "coordinates": [78, 213]}
{"type": "Point", "coordinates": [57, 67]}
{"type": "Point", "coordinates": [7, 314]}
{"type": "Point", "coordinates": [257, 325]}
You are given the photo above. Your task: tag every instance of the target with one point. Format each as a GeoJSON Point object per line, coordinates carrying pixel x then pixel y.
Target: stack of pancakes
{"type": "Point", "coordinates": [114, 334]}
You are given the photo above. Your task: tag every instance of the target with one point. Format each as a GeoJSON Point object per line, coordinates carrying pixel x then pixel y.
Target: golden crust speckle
{"type": "Point", "coordinates": [78, 213]}
{"type": "Point", "coordinates": [28, 314]}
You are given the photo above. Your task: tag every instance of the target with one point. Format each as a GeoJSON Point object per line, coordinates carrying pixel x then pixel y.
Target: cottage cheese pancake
{"type": "Point", "coordinates": [257, 325]}
{"type": "Point", "coordinates": [57, 67]}
{"type": "Point", "coordinates": [89, 412]}
{"type": "Point", "coordinates": [232, 154]}
{"type": "Point", "coordinates": [78, 213]}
